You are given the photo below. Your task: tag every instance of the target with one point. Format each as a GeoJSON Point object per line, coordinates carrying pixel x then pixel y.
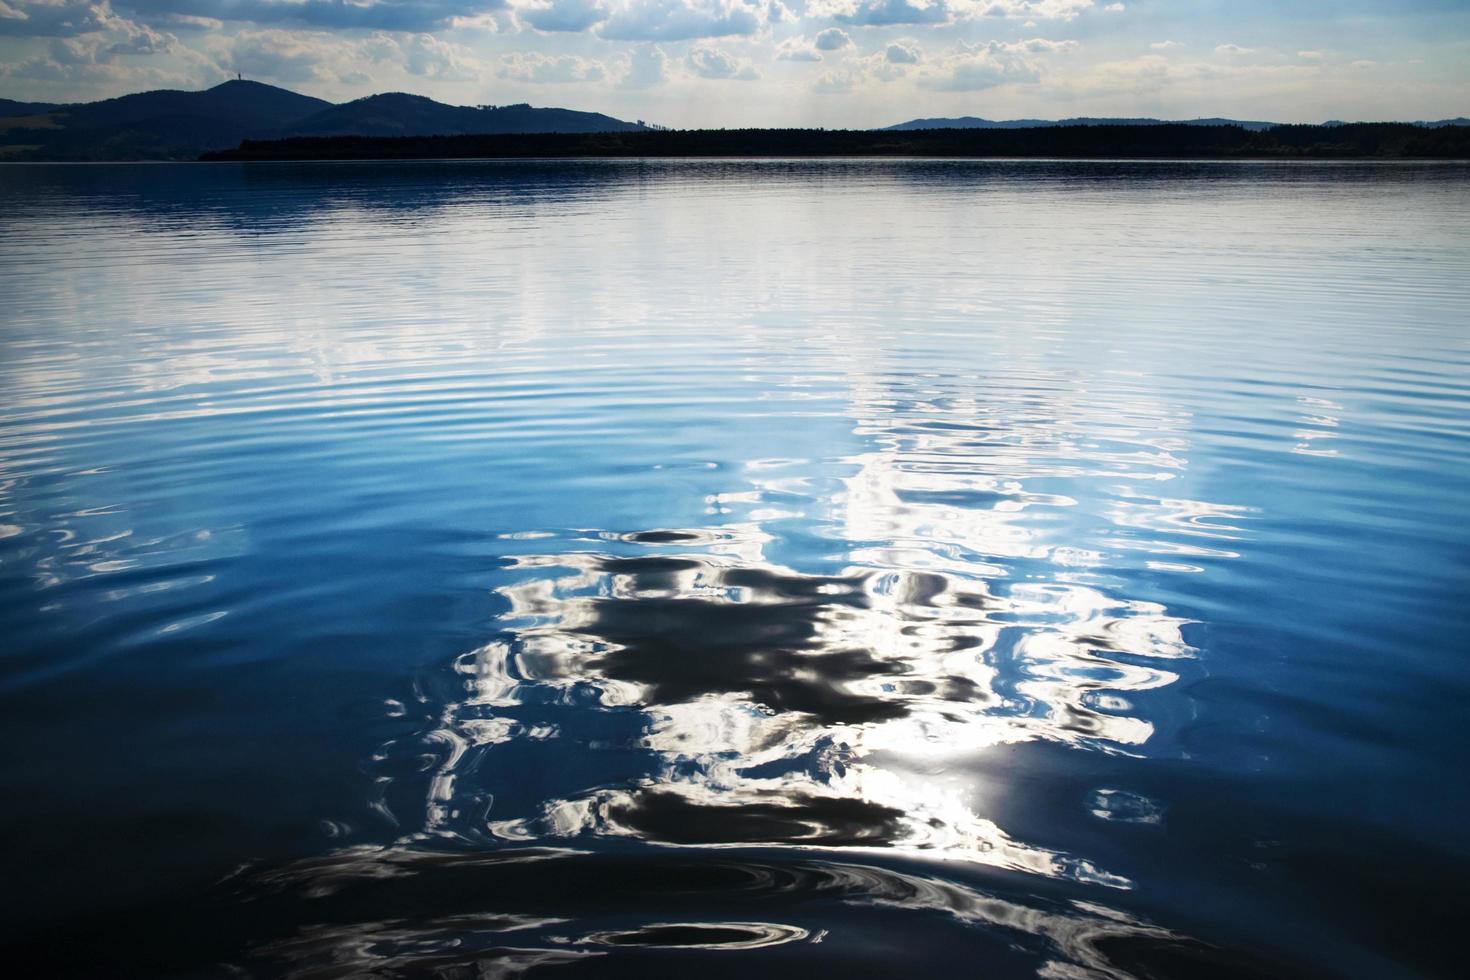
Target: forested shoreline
{"type": "Point", "coordinates": [1179, 141]}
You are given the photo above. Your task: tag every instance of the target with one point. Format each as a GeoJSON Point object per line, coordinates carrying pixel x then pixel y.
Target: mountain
{"type": "Point", "coordinates": [161, 125]}
{"type": "Point", "coordinates": [400, 114]}
{"type": "Point", "coordinates": [1422, 123]}
{"type": "Point", "coordinates": [10, 107]}
{"type": "Point", "coordinates": [973, 122]}
{"type": "Point", "coordinates": [174, 125]}
{"type": "Point", "coordinates": [250, 105]}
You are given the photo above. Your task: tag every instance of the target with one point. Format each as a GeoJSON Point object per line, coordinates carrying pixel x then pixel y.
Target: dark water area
{"type": "Point", "coordinates": [778, 568]}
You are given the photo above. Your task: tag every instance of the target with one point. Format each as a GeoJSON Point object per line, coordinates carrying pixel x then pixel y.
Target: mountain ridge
{"type": "Point", "coordinates": [172, 124]}
{"type": "Point", "coordinates": [10, 107]}
{"type": "Point", "coordinates": [403, 114]}
{"type": "Point", "coordinates": [1252, 125]}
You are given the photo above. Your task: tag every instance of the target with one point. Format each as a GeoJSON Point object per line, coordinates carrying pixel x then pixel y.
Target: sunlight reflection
{"type": "Point", "coordinates": [779, 706]}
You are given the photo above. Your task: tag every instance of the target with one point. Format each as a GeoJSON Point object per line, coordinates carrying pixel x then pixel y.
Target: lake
{"type": "Point", "coordinates": [758, 568]}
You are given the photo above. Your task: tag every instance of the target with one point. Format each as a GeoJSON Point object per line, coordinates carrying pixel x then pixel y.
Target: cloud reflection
{"type": "Point", "coordinates": [757, 703]}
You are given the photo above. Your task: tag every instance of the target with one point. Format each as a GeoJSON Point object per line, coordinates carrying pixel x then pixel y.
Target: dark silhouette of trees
{"type": "Point", "coordinates": [1170, 141]}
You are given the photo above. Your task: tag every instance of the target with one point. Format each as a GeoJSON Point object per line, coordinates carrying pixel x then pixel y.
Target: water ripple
{"type": "Point", "coordinates": [866, 566]}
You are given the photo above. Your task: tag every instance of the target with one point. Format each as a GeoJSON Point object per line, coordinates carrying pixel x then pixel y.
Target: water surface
{"type": "Point", "coordinates": [753, 568]}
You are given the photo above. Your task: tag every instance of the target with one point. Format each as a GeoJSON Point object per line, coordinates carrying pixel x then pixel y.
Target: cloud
{"type": "Point", "coordinates": [707, 62]}
{"type": "Point", "coordinates": [796, 49]}
{"type": "Point", "coordinates": [564, 15]}
{"type": "Point", "coordinates": [975, 67]}
{"type": "Point", "coordinates": [1193, 83]}
{"type": "Point", "coordinates": [878, 13]}
{"type": "Point", "coordinates": [142, 40]}
{"type": "Point", "coordinates": [1311, 55]}
{"type": "Point", "coordinates": [831, 39]}
{"type": "Point", "coordinates": [427, 56]}
{"type": "Point", "coordinates": [1232, 49]}
{"type": "Point", "coordinates": [1040, 45]}
{"type": "Point", "coordinates": [902, 53]}
{"type": "Point", "coordinates": [91, 49]}
{"type": "Point", "coordinates": [287, 56]}
{"type": "Point", "coordinates": [647, 66]}
{"type": "Point", "coordinates": [107, 36]}
{"type": "Point", "coordinates": [55, 18]}
{"type": "Point", "coordinates": [1166, 45]}
{"type": "Point", "coordinates": [293, 57]}
{"type": "Point", "coordinates": [109, 74]}
{"type": "Point", "coordinates": [545, 69]}
{"type": "Point", "coordinates": [1033, 9]}
{"type": "Point", "coordinates": [892, 62]}
{"type": "Point", "coordinates": [1115, 8]}
{"type": "Point", "coordinates": [387, 15]}
{"type": "Point", "coordinates": [188, 22]}
{"type": "Point", "coordinates": [682, 20]}
{"type": "Point", "coordinates": [838, 81]}
{"type": "Point", "coordinates": [799, 49]}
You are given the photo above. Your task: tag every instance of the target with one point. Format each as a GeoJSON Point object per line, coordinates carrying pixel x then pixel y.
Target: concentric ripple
{"type": "Point", "coordinates": [880, 568]}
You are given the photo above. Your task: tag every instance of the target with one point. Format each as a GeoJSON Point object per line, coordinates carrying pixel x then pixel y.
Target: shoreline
{"type": "Point", "coordinates": [1358, 141]}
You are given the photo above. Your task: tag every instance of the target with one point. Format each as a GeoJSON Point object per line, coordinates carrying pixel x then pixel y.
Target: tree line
{"type": "Point", "coordinates": [1169, 141]}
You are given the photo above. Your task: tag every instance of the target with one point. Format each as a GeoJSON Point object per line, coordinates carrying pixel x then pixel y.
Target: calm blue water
{"type": "Point", "coordinates": [751, 568]}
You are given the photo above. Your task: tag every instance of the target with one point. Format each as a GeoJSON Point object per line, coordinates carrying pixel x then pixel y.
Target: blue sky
{"type": "Point", "coordinates": [773, 62]}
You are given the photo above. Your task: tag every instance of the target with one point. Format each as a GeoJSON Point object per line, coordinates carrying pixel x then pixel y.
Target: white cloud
{"type": "Point", "coordinates": [800, 49]}
{"type": "Point", "coordinates": [189, 22]}
{"type": "Point", "coordinates": [647, 66]}
{"type": "Point", "coordinates": [1196, 85]}
{"type": "Point", "coordinates": [902, 53]}
{"type": "Point", "coordinates": [56, 18]}
{"type": "Point", "coordinates": [975, 67]}
{"type": "Point", "coordinates": [682, 20]}
{"type": "Point", "coordinates": [427, 56]}
{"type": "Point", "coordinates": [1166, 45]}
{"type": "Point", "coordinates": [545, 69]}
{"type": "Point", "coordinates": [143, 40]}
{"type": "Point", "coordinates": [797, 49]}
{"type": "Point", "coordinates": [1033, 9]}
{"type": "Point", "coordinates": [878, 13]}
{"type": "Point", "coordinates": [296, 57]}
{"type": "Point", "coordinates": [831, 39]}
{"type": "Point", "coordinates": [708, 62]}
{"type": "Point", "coordinates": [292, 56]}
{"type": "Point", "coordinates": [839, 80]}
{"type": "Point", "coordinates": [1232, 49]}
{"type": "Point", "coordinates": [563, 15]}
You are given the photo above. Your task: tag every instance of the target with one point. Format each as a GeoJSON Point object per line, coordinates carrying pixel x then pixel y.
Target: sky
{"type": "Point", "coordinates": [833, 63]}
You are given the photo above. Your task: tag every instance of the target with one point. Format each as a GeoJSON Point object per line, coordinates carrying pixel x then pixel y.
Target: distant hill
{"type": "Point", "coordinates": [174, 125]}
{"type": "Point", "coordinates": [1255, 126]}
{"type": "Point", "coordinates": [399, 114]}
{"type": "Point", "coordinates": [974, 122]}
{"type": "Point", "coordinates": [1422, 123]}
{"type": "Point", "coordinates": [252, 105]}
{"type": "Point", "coordinates": [10, 107]}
